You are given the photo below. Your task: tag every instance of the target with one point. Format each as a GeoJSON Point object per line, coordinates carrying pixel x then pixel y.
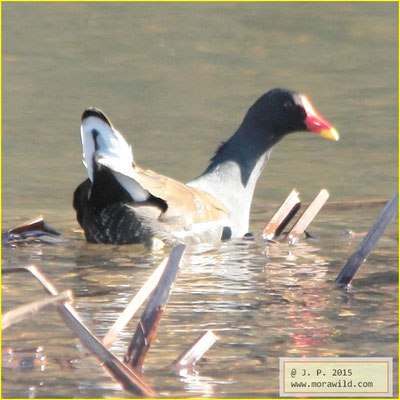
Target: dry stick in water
{"type": "Point", "coordinates": [34, 224]}
{"type": "Point", "coordinates": [282, 217]}
{"type": "Point", "coordinates": [124, 375]}
{"type": "Point", "coordinates": [151, 316]}
{"type": "Point", "coordinates": [28, 310]}
{"type": "Point", "coordinates": [308, 215]}
{"type": "Point", "coordinates": [369, 242]}
{"type": "Point", "coordinates": [134, 304]}
{"type": "Point", "coordinates": [193, 353]}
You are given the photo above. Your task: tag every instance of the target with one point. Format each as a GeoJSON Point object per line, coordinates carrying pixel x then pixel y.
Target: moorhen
{"type": "Point", "coordinates": [122, 203]}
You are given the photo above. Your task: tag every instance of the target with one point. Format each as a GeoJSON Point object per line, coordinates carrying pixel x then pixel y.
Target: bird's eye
{"type": "Point", "coordinates": [300, 110]}
{"type": "Point", "coordinates": [288, 105]}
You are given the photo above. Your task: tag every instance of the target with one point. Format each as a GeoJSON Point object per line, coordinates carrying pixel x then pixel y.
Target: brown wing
{"type": "Point", "coordinates": [191, 204]}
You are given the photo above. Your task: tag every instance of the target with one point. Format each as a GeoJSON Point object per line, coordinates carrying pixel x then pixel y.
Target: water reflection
{"type": "Point", "coordinates": [264, 301]}
{"type": "Point", "coordinates": [196, 385]}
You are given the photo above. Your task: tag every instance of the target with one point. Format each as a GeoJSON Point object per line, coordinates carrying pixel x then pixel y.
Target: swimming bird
{"type": "Point", "coordinates": [122, 203]}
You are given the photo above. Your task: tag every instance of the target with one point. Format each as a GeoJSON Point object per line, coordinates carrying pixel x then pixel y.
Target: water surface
{"type": "Point", "coordinates": [176, 79]}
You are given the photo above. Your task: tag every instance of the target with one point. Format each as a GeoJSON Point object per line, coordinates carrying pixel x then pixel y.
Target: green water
{"type": "Point", "coordinates": [176, 80]}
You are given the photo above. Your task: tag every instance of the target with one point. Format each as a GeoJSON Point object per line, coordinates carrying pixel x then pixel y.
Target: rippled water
{"type": "Point", "coordinates": [176, 79]}
{"type": "Point", "coordinates": [263, 301]}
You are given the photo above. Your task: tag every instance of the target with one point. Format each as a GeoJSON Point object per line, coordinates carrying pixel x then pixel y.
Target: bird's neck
{"type": "Point", "coordinates": [233, 173]}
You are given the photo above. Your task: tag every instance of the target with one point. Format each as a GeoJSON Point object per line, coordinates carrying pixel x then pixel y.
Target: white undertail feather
{"type": "Point", "coordinates": [112, 152]}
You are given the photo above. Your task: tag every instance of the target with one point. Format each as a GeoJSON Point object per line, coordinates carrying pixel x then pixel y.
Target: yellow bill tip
{"type": "Point", "coordinates": [331, 134]}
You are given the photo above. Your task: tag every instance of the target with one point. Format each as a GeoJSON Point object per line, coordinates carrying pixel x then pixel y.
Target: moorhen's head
{"type": "Point", "coordinates": [282, 111]}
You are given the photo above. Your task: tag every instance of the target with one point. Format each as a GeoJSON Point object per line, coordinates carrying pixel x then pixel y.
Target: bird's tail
{"type": "Point", "coordinates": [104, 147]}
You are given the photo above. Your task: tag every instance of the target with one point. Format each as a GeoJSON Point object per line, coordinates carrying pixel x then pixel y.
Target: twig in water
{"type": "Point", "coordinates": [134, 304]}
{"type": "Point", "coordinates": [282, 217]}
{"type": "Point", "coordinates": [194, 352]}
{"type": "Point", "coordinates": [34, 228]}
{"type": "Point", "coordinates": [122, 373]}
{"type": "Point", "coordinates": [369, 242]}
{"type": "Point", "coordinates": [308, 215]}
{"type": "Point", "coordinates": [27, 310]}
{"type": "Point", "coordinates": [151, 316]}
{"type": "Point", "coordinates": [34, 224]}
